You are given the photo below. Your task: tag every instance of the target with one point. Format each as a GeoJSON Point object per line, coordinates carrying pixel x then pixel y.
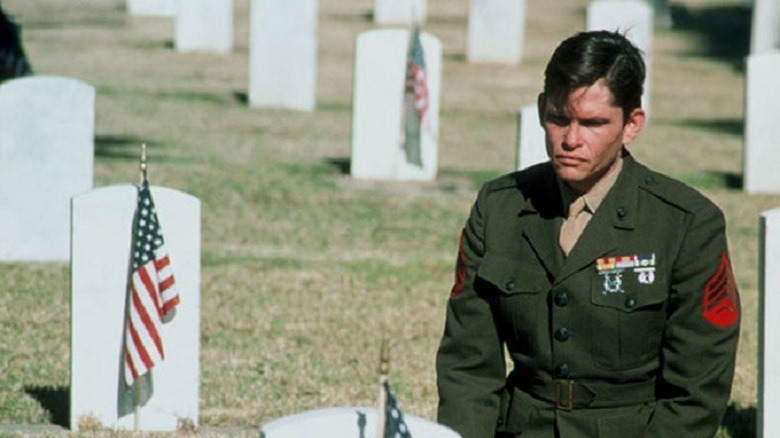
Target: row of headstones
{"type": "Point", "coordinates": [283, 75]}
{"type": "Point", "coordinates": [282, 49]}
{"type": "Point", "coordinates": [38, 230]}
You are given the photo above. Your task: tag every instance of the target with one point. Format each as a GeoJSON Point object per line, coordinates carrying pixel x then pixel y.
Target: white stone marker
{"type": "Point", "coordinates": [205, 25]}
{"type": "Point", "coordinates": [762, 154]}
{"type": "Point", "coordinates": [380, 71]}
{"type": "Point", "coordinates": [634, 18]}
{"type": "Point", "coordinates": [765, 30]}
{"type": "Point", "coordinates": [100, 266]}
{"type": "Point", "coordinates": [47, 131]}
{"type": "Point", "coordinates": [531, 148]}
{"type": "Point", "coordinates": [340, 422]}
{"type": "Point", "coordinates": [153, 8]}
{"type": "Point", "coordinates": [283, 54]}
{"type": "Point", "coordinates": [496, 31]}
{"type": "Point", "coordinates": [400, 11]}
{"type": "Point", "coordinates": [769, 331]}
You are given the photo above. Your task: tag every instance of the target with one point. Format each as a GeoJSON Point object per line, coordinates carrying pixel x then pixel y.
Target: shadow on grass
{"type": "Point", "coordinates": [128, 148]}
{"type": "Point", "coordinates": [734, 127]}
{"type": "Point", "coordinates": [342, 164]}
{"type": "Point", "coordinates": [455, 57]}
{"type": "Point", "coordinates": [118, 147]}
{"type": "Point", "coordinates": [353, 18]}
{"type": "Point", "coordinates": [55, 400]}
{"type": "Point", "coordinates": [713, 180]}
{"type": "Point", "coordinates": [724, 30]}
{"type": "Point", "coordinates": [241, 97]}
{"type": "Point", "coordinates": [740, 422]}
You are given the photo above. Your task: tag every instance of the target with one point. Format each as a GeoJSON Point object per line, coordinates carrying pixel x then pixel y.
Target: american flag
{"type": "Point", "coordinates": [152, 292]}
{"type": "Point", "coordinates": [395, 426]}
{"type": "Point", "coordinates": [415, 99]}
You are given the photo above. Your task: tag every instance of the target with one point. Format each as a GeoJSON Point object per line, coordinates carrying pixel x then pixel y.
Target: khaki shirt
{"type": "Point", "coordinates": [593, 198]}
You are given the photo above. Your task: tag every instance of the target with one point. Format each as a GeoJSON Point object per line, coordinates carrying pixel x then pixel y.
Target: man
{"type": "Point", "coordinates": [608, 284]}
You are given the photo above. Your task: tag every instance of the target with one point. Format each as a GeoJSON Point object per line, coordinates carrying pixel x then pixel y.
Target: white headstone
{"type": "Point", "coordinates": [762, 153]}
{"type": "Point", "coordinates": [47, 130]}
{"type": "Point", "coordinates": [102, 227]}
{"type": "Point", "coordinates": [377, 109]}
{"type": "Point", "coordinates": [531, 147]}
{"type": "Point", "coordinates": [496, 31]}
{"type": "Point", "coordinates": [343, 422]}
{"type": "Point", "coordinates": [205, 25]}
{"type": "Point", "coordinates": [283, 54]}
{"type": "Point", "coordinates": [634, 18]}
{"type": "Point", "coordinates": [400, 11]}
{"type": "Point", "coordinates": [769, 329]}
{"type": "Point", "coordinates": [152, 8]}
{"type": "Point", "coordinates": [765, 31]}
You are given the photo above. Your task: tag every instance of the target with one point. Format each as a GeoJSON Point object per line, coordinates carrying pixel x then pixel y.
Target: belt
{"type": "Point", "coordinates": [568, 394]}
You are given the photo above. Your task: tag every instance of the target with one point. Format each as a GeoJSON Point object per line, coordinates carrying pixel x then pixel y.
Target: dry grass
{"type": "Point", "coordinates": [304, 273]}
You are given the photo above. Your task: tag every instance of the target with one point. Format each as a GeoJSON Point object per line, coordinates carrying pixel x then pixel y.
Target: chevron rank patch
{"type": "Point", "coordinates": [460, 269]}
{"type": "Point", "coordinates": [721, 299]}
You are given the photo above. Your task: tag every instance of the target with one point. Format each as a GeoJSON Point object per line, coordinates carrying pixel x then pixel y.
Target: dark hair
{"type": "Point", "coordinates": [586, 57]}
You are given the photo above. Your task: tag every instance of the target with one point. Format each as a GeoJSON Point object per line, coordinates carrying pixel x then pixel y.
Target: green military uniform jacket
{"type": "Point", "coordinates": [633, 334]}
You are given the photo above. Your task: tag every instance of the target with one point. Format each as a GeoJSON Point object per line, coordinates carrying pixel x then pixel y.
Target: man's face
{"type": "Point", "coordinates": [586, 135]}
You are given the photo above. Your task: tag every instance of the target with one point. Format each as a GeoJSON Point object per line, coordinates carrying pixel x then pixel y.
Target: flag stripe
{"type": "Point", "coordinates": [150, 288]}
{"type": "Point", "coordinates": [146, 322]}
{"type": "Point", "coordinates": [140, 349]}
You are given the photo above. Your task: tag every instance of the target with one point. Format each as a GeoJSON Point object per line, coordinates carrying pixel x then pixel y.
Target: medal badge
{"type": "Point", "coordinates": [612, 268]}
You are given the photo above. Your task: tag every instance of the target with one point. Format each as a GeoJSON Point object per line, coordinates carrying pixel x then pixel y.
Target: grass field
{"type": "Point", "coordinates": [304, 271]}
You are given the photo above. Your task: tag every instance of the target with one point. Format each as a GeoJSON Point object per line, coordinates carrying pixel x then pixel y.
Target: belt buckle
{"type": "Point", "coordinates": [564, 394]}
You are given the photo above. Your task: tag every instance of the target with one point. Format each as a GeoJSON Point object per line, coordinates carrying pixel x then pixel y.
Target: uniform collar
{"type": "Point", "coordinates": [595, 196]}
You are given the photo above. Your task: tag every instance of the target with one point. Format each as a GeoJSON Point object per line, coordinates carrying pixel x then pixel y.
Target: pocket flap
{"type": "Point", "coordinates": [627, 294]}
{"type": "Point", "coordinates": [513, 276]}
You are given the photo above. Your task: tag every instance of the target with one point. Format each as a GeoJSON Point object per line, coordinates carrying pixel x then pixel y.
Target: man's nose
{"type": "Point", "coordinates": [572, 137]}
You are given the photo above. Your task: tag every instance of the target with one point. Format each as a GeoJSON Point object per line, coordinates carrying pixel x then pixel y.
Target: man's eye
{"type": "Point", "coordinates": [557, 120]}
{"type": "Point", "coordinates": [593, 123]}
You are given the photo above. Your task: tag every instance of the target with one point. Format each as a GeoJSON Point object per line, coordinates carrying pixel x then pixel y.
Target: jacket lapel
{"type": "Point", "coordinates": [540, 219]}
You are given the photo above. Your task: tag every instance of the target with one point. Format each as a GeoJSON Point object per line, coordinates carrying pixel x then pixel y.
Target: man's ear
{"type": "Point", "coordinates": [634, 124]}
{"type": "Point", "coordinates": [541, 104]}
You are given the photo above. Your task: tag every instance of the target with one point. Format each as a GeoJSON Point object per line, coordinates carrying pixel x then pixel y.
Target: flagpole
{"type": "Point", "coordinates": [384, 369]}
{"type": "Point", "coordinates": [143, 163]}
{"type": "Point", "coordinates": [137, 383]}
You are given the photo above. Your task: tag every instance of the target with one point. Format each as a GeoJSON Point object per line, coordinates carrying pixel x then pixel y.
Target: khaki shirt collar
{"type": "Point", "coordinates": [596, 194]}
